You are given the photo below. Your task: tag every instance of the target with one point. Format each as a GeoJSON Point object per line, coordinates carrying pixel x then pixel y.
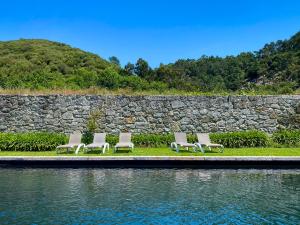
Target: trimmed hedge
{"type": "Point", "coordinates": [31, 141]}
{"type": "Point", "coordinates": [287, 137]}
{"type": "Point", "coordinates": [241, 139]}
{"type": "Point", "coordinates": [230, 140]}
{"type": "Point", "coordinates": [49, 141]}
{"type": "Point", "coordinates": [142, 140]}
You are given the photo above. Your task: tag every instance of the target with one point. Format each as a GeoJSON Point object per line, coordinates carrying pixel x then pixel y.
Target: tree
{"type": "Point", "coordinates": [114, 60]}
{"type": "Point", "coordinates": [129, 68]}
{"type": "Point", "coordinates": [109, 78]}
{"type": "Point", "coordinates": [142, 68]}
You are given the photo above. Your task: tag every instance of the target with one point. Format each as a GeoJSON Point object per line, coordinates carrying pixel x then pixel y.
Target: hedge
{"type": "Point", "coordinates": [287, 137]}
{"type": "Point", "coordinates": [241, 139]}
{"type": "Point", "coordinates": [30, 141]}
{"type": "Point", "coordinates": [141, 140]}
{"type": "Point", "coordinates": [230, 140]}
{"type": "Point", "coordinates": [49, 141]}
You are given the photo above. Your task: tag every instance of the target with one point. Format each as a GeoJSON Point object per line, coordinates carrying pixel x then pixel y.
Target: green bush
{"type": "Point", "coordinates": [153, 140]}
{"type": "Point", "coordinates": [232, 139]}
{"type": "Point", "coordinates": [287, 137]}
{"type": "Point", "coordinates": [140, 140]}
{"type": "Point", "coordinates": [241, 139]}
{"type": "Point", "coordinates": [49, 141]}
{"type": "Point", "coordinates": [30, 141]}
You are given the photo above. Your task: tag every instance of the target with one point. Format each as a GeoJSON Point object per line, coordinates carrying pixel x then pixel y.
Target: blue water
{"type": "Point", "coordinates": [152, 196]}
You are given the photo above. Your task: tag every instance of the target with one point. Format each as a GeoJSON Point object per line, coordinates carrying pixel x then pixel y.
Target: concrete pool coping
{"type": "Point", "coordinates": [153, 161]}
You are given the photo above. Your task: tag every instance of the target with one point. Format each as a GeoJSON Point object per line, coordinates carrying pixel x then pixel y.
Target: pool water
{"type": "Point", "coordinates": [149, 196]}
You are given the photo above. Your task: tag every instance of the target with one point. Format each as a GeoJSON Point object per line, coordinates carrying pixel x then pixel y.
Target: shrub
{"type": "Point", "coordinates": [30, 141]}
{"type": "Point", "coordinates": [241, 139]}
{"type": "Point", "coordinates": [232, 139]}
{"type": "Point", "coordinates": [287, 137]}
{"type": "Point", "coordinates": [49, 141]}
{"type": "Point", "coordinates": [140, 140]}
{"type": "Point", "coordinates": [153, 140]}
{"type": "Point", "coordinates": [109, 78]}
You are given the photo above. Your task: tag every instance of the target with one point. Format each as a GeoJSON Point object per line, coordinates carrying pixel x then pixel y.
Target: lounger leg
{"type": "Point", "coordinates": [174, 146]}
{"type": "Point", "coordinates": [222, 149]}
{"type": "Point", "coordinates": [194, 148]}
{"type": "Point", "coordinates": [78, 148]}
{"type": "Point", "coordinates": [106, 146]}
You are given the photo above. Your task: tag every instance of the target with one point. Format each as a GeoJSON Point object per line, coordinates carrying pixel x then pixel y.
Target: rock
{"type": "Point", "coordinates": [177, 104]}
{"type": "Point", "coordinates": [67, 116]}
{"type": "Point", "coordinates": [298, 109]}
{"type": "Point", "coordinates": [148, 114]}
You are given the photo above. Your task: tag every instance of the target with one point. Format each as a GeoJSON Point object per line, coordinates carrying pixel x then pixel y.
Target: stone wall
{"type": "Point", "coordinates": [148, 114]}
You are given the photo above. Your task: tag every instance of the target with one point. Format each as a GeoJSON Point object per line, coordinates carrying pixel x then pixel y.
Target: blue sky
{"type": "Point", "coordinates": [158, 31]}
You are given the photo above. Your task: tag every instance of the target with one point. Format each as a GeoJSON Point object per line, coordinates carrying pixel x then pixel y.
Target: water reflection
{"type": "Point", "coordinates": [113, 196]}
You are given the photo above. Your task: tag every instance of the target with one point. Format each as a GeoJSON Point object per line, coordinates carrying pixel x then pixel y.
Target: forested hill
{"type": "Point", "coordinates": [39, 64]}
{"type": "Point", "coordinates": [276, 65]}
{"type": "Point", "coordinates": [42, 63]}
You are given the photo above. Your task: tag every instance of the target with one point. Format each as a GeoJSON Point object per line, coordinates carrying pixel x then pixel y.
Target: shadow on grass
{"type": "Point", "coordinates": [185, 151]}
{"type": "Point", "coordinates": [122, 151]}
{"type": "Point", "coordinates": [65, 153]}
{"type": "Point", "coordinates": [99, 152]}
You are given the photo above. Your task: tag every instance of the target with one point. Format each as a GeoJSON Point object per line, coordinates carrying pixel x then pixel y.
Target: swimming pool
{"type": "Point", "coordinates": [149, 196]}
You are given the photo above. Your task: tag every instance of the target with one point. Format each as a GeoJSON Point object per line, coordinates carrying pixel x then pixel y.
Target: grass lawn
{"type": "Point", "coordinates": [169, 152]}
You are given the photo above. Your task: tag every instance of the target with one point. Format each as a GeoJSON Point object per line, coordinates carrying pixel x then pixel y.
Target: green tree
{"type": "Point", "coordinates": [129, 69]}
{"type": "Point", "coordinates": [109, 78]}
{"type": "Point", "coordinates": [142, 69]}
{"type": "Point", "coordinates": [114, 60]}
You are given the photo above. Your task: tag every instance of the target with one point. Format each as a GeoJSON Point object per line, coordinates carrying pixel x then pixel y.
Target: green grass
{"type": "Point", "coordinates": [130, 92]}
{"type": "Point", "coordinates": [169, 152]}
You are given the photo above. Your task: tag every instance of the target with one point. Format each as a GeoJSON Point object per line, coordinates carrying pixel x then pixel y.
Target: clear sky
{"type": "Point", "coordinates": [156, 30]}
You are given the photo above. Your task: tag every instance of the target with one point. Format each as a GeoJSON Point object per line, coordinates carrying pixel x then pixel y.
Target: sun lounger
{"type": "Point", "coordinates": [181, 141]}
{"type": "Point", "coordinates": [74, 141]}
{"type": "Point", "coordinates": [99, 142]}
{"type": "Point", "coordinates": [204, 140]}
{"type": "Point", "coordinates": [124, 142]}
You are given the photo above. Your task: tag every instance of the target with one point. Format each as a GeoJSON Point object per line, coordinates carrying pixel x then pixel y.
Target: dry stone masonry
{"type": "Point", "coordinates": [148, 114]}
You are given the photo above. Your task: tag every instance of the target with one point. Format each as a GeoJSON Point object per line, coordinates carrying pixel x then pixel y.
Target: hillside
{"type": "Point", "coordinates": [275, 67]}
{"type": "Point", "coordinates": [40, 64]}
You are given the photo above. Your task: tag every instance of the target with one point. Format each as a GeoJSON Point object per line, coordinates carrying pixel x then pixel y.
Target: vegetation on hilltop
{"type": "Point", "coordinates": [42, 64]}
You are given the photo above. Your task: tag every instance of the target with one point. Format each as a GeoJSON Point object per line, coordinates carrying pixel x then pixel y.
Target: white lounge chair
{"type": "Point", "coordinates": [181, 141]}
{"type": "Point", "coordinates": [74, 141]}
{"type": "Point", "coordinates": [124, 142]}
{"type": "Point", "coordinates": [99, 142]}
{"type": "Point", "coordinates": [204, 140]}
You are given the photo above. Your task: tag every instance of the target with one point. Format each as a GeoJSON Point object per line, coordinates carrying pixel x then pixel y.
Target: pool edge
{"type": "Point", "coordinates": [223, 162]}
